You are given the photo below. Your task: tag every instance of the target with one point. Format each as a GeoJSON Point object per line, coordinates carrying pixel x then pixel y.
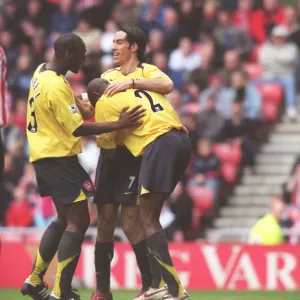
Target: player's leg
{"type": "Point", "coordinates": [151, 205]}
{"type": "Point", "coordinates": [34, 285]}
{"type": "Point", "coordinates": [1, 160]}
{"type": "Point", "coordinates": [130, 219]}
{"type": "Point", "coordinates": [104, 248]}
{"type": "Point", "coordinates": [164, 163]}
{"type": "Point", "coordinates": [69, 248]}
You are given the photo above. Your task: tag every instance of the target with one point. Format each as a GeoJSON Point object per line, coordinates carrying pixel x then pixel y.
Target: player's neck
{"type": "Point", "coordinates": [56, 66]}
{"type": "Point", "coordinates": [129, 66]}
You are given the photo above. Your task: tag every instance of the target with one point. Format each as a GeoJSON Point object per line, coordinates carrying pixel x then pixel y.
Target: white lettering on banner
{"type": "Point", "coordinates": [184, 256]}
{"type": "Point", "coordinates": [113, 281]}
{"type": "Point", "coordinates": [131, 270]}
{"type": "Point", "coordinates": [217, 271]}
{"type": "Point", "coordinates": [88, 265]}
{"type": "Point", "coordinates": [244, 271]}
{"type": "Point", "coordinates": [283, 274]}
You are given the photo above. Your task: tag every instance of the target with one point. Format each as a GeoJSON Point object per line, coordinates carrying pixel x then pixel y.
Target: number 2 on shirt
{"type": "Point", "coordinates": [154, 107]}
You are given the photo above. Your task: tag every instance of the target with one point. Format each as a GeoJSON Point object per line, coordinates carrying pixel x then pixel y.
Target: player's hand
{"type": "Point", "coordinates": [131, 119]}
{"type": "Point", "coordinates": [118, 86]}
{"type": "Point", "coordinates": [86, 109]}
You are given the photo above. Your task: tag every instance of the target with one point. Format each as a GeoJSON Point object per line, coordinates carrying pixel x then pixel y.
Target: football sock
{"type": "Point", "coordinates": [104, 253]}
{"type": "Point", "coordinates": [143, 263]}
{"type": "Point", "coordinates": [68, 255]}
{"type": "Point", "coordinates": [157, 281]}
{"type": "Point", "coordinates": [158, 246]}
{"type": "Point", "coordinates": [47, 249]}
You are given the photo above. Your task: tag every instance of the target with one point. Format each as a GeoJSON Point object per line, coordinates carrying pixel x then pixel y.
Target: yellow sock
{"type": "Point", "coordinates": [39, 267]}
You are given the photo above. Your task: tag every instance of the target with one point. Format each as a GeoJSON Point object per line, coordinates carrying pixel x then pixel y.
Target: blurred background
{"type": "Point", "coordinates": [235, 65]}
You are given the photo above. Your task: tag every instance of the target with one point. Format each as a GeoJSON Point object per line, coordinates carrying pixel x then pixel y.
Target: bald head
{"type": "Point", "coordinates": [96, 89]}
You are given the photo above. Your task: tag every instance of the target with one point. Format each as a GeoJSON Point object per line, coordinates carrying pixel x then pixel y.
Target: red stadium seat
{"type": "Point", "coordinates": [228, 153]}
{"type": "Point", "coordinates": [255, 53]}
{"type": "Point", "coordinates": [229, 172]}
{"type": "Point", "coordinates": [202, 197]}
{"type": "Point", "coordinates": [270, 111]}
{"type": "Point", "coordinates": [271, 92]}
{"type": "Point", "coordinates": [253, 70]}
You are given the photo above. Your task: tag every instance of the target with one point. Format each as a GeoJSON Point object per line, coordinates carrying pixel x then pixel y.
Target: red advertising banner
{"type": "Point", "coordinates": [200, 266]}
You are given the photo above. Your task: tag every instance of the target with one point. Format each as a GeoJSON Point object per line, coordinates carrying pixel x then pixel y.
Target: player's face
{"type": "Point", "coordinates": [77, 58]}
{"type": "Point", "coordinates": [122, 51]}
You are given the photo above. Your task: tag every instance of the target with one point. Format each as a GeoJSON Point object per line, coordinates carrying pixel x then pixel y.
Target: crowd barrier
{"type": "Point", "coordinates": [200, 266]}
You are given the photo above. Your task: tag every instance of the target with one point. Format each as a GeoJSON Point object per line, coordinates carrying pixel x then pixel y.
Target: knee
{"type": "Point", "coordinates": [61, 221]}
{"type": "Point", "coordinates": [105, 230]}
{"type": "Point", "coordinates": [80, 225]}
{"type": "Point", "coordinates": [130, 227]}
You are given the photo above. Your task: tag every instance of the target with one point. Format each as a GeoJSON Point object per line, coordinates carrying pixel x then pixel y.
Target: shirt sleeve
{"type": "Point", "coordinates": [152, 72]}
{"type": "Point", "coordinates": [105, 113]}
{"type": "Point", "coordinates": [63, 104]}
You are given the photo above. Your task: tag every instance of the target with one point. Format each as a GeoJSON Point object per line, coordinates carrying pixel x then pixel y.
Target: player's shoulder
{"type": "Point", "coordinates": [147, 67]}
{"type": "Point", "coordinates": [110, 73]}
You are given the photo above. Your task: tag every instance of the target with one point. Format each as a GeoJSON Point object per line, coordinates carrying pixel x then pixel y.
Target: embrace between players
{"type": "Point", "coordinates": [145, 151]}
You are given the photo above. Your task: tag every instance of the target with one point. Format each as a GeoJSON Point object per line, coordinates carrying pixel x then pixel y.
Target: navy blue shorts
{"type": "Point", "coordinates": [117, 178]}
{"type": "Point", "coordinates": [164, 163]}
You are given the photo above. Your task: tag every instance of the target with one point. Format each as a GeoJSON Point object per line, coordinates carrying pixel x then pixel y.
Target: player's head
{"type": "Point", "coordinates": [70, 49]}
{"type": "Point", "coordinates": [129, 41]}
{"type": "Point", "coordinates": [96, 89]}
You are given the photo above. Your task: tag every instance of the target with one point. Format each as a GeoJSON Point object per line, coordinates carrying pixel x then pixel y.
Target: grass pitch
{"type": "Point", "coordinates": [220, 295]}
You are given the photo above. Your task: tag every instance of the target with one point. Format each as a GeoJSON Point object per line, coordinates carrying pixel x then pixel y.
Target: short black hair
{"type": "Point", "coordinates": [68, 41]}
{"type": "Point", "coordinates": [135, 35]}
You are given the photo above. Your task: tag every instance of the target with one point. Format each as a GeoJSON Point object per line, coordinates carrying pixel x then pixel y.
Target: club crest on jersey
{"type": "Point", "coordinates": [88, 186]}
{"type": "Point", "coordinates": [73, 109]}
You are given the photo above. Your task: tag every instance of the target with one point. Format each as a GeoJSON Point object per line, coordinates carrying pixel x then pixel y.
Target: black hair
{"type": "Point", "coordinates": [137, 36]}
{"type": "Point", "coordinates": [68, 41]}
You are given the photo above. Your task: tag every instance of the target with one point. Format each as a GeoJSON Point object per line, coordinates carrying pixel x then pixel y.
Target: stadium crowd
{"type": "Point", "coordinates": [218, 54]}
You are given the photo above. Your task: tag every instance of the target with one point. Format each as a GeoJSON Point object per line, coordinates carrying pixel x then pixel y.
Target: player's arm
{"type": "Point", "coordinates": [67, 114]}
{"type": "Point", "coordinates": [127, 119]}
{"type": "Point", "coordinates": [86, 109]}
{"type": "Point", "coordinates": [155, 81]}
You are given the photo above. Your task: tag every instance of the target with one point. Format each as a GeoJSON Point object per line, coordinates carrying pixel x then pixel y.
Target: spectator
{"type": "Point", "coordinates": [171, 29]}
{"type": "Point", "coordinates": [237, 131]}
{"type": "Point", "coordinates": [184, 58]}
{"type": "Point", "coordinates": [293, 186]}
{"type": "Point", "coordinates": [247, 93]}
{"type": "Point", "coordinates": [267, 230]}
{"type": "Point", "coordinates": [231, 36]}
{"type": "Point", "coordinates": [35, 14]}
{"type": "Point", "coordinates": [265, 19]}
{"type": "Point", "coordinates": [201, 75]}
{"type": "Point", "coordinates": [127, 11]}
{"type": "Point", "coordinates": [232, 63]}
{"type": "Point", "coordinates": [19, 81]}
{"type": "Point", "coordinates": [205, 167]}
{"type": "Point", "coordinates": [19, 114]}
{"type": "Point", "coordinates": [181, 205]}
{"type": "Point", "coordinates": [292, 25]}
{"type": "Point", "coordinates": [90, 36]}
{"type": "Point", "coordinates": [155, 43]}
{"type": "Point", "coordinates": [279, 60]}
{"type": "Point", "coordinates": [189, 15]}
{"type": "Point", "coordinates": [188, 120]}
{"type": "Point", "coordinates": [210, 122]}
{"type": "Point", "coordinates": [19, 213]}
{"type": "Point", "coordinates": [8, 44]}
{"type": "Point", "coordinates": [106, 41]}
{"type": "Point", "coordinates": [153, 15]}
{"type": "Point", "coordinates": [64, 20]}
{"type": "Point", "coordinates": [98, 13]}
{"type": "Point", "coordinates": [210, 12]}
{"type": "Point", "coordinates": [243, 17]}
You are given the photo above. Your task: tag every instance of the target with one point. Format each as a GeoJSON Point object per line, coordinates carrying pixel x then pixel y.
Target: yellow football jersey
{"type": "Point", "coordinates": [52, 116]}
{"type": "Point", "coordinates": [142, 71]}
{"type": "Point", "coordinates": [160, 118]}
